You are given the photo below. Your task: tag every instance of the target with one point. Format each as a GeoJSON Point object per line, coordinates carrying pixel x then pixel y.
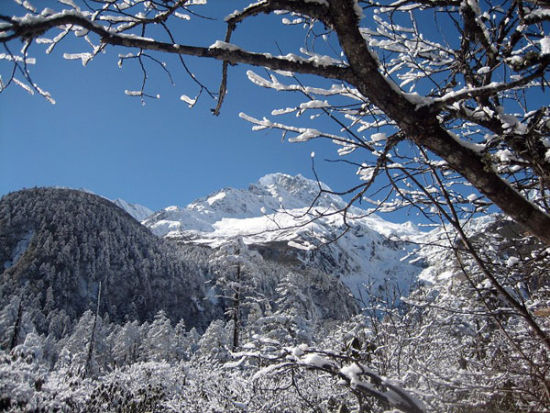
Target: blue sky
{"type": "Point", "coordinates": [160, 154]}
{"type": "Point", "coordinates": [164, 153]}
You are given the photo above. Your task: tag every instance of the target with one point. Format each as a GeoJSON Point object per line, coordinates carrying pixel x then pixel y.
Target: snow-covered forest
{"type": "Point", "coordinates": [98, 314]}
{"type": "Point", "coordinates": [286, 296]}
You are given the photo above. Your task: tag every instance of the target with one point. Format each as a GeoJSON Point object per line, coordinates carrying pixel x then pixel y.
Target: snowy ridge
{"type": "Point", "coordinates": [275, 215]}
{"type": "Point", "coordinates": [275, 201]}
{"type": "Point", "coordinates": [139, 212]}
{"type": "Point", "coordinates": [274, 192]}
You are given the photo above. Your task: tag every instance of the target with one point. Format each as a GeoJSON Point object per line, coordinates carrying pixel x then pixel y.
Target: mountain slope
{"type": "Point", "coordinates": [58, 245]}
{"type": "Point", "coordinates": [139, 212]}
{"type": "Point", "coordinates": [271, 193]}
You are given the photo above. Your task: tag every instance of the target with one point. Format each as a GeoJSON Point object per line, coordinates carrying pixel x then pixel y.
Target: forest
{"type": "Point", "coordinates": [252, 327]}
{"type": "Point", "coordinates": [438, 107]}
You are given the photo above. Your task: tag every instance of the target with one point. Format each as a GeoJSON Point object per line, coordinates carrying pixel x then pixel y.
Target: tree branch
{"type": "Point", "coordinates": [423, 127]}
{"type": "Point", "coordinates": [33, 26]}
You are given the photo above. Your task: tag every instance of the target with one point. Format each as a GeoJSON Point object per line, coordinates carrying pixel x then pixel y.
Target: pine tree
{"type": "Point", "coordinates": [239, 284]}
{"type": "Point", "coordinates": [159, 343]}
{"type": "Point", "coordinates": [91, 343]}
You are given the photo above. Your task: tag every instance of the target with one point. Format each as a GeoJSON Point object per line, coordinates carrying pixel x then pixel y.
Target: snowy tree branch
{"type": "Point", "coordinates": [498, 55]}
{"type": "Point", "coordinates": [219, 50]}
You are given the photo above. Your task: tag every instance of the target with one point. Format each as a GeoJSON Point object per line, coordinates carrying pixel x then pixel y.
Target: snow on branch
{"type": "Point", "coordinates": [352, 373]}
{"type": "Point", "coordinates": [487, 90]}
{"type": "Point", "coordinates": [84, 57]}
{"type": "Point", "coordinates": [274, 83]}
{"type": "Point", "coordinates": [29, 25]}
{"type": "Point", "coordinates": [303, 134]}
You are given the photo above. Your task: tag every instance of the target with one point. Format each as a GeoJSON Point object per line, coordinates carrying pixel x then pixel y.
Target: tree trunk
{"type": "Point", "coordinates": [17, 326]}
{"type": "Point", "coordinates": [236, 311]}
{"type": "Point", "coordinates": [423, 128]}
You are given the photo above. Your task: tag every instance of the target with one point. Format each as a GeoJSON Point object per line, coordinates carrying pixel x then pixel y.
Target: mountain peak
{"type": "Point", "coordinates": [286, 181]}
{"type": "Point", "coordinates": [297, 191]}
{"type": "Point", "coordinates": [271, 193]}
{"type": "Point", "coordinates": [277, 206]}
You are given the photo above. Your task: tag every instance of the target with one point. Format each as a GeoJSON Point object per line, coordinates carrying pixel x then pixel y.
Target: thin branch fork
{"type": "Point", "coordinates": [399, 399]}
{"type": "Point", "coordinates": [231, 55]}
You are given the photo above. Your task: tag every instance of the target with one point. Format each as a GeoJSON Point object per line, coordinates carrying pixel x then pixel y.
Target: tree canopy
{"type": "Point", "coordinates": [439, 105]}
{"type": "Point", "coordinates": [462, 81]}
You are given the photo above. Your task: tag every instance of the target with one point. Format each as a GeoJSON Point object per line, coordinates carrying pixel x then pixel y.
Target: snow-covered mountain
{"type": "Point", "coordinates": [139, 212]}
{"type": "Point", "coordinates": [283, 217]}
{"type": "Point", "coordinates": [271, 193]}
{"type": "Point", "coordinates": [276, 200]}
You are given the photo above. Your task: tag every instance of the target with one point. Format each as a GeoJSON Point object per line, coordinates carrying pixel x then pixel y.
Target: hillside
{"type": "Point", "coordinates": [253, 300]}
{"type": "Point", "coordinates": [58, 245]}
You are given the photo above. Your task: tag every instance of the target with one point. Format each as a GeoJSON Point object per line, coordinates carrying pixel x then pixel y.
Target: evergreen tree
{"type": "Point", "coordinates": [215, 342]}
{"type": "Point", "coordinates": [159, 341]}
{"type": "Point", "coordinates": [239, 282]}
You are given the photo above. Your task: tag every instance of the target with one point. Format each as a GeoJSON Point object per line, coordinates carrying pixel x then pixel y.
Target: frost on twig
{"type": "Point", "coordinates": [452, 86]}
{"type": "Point", "coordinates": [357, 377]}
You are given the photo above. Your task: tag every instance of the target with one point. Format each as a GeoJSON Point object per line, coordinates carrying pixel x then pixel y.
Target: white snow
{"type": "Point", "coordinates": [314, 104]}
{"type": "Point", "coordinates": [538, 13]}
{"type": "Point", "coordinates": [190, 101]}
{"type": "Point", "coordinates": [377, 137]}
{"type": "Point", "coordinates": [416, 99]}
{"type": "Point", "coordinates": [305, 135]}
{"type": "Point", "coordinates": [351, 370]}
{"type": "Point", "coordinates": [133, 92]}
{"type": "Point", "coordinates": [84, 57]}
{"type": "Point", "coordinates": [182, 16]}
{"type": "Point", "coordinates": [218, 44]}
{"type": "Point", "coordinates": [277, 209]}
{"type": "Point", "coordinates": [28, 60]}
{"type": "Point", "coordinates": [511, 261]}
{"type": "Point", "coordinates": [300, 246]}
{"type": "Point", "coordinates": [504, 155]}
{"type": "Point", "coordinates": [484, 70]}
{"type": "Point", "coordinates": [319, 60]}
{"type": "Point", "coordinates": [214, 198]}
{"type": "Point", "coordinates": [276, 112]}
{"type": "Point", "coordinates": [135, 37]}
{"type": "Point", "coordinates": [315, 360]}
{"type": "Point", "coordinates": [23, 85]}
{"type": "Point", "coordinates": [19, 250]}
{"type": "Point", "coordinates": [545, 45]}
